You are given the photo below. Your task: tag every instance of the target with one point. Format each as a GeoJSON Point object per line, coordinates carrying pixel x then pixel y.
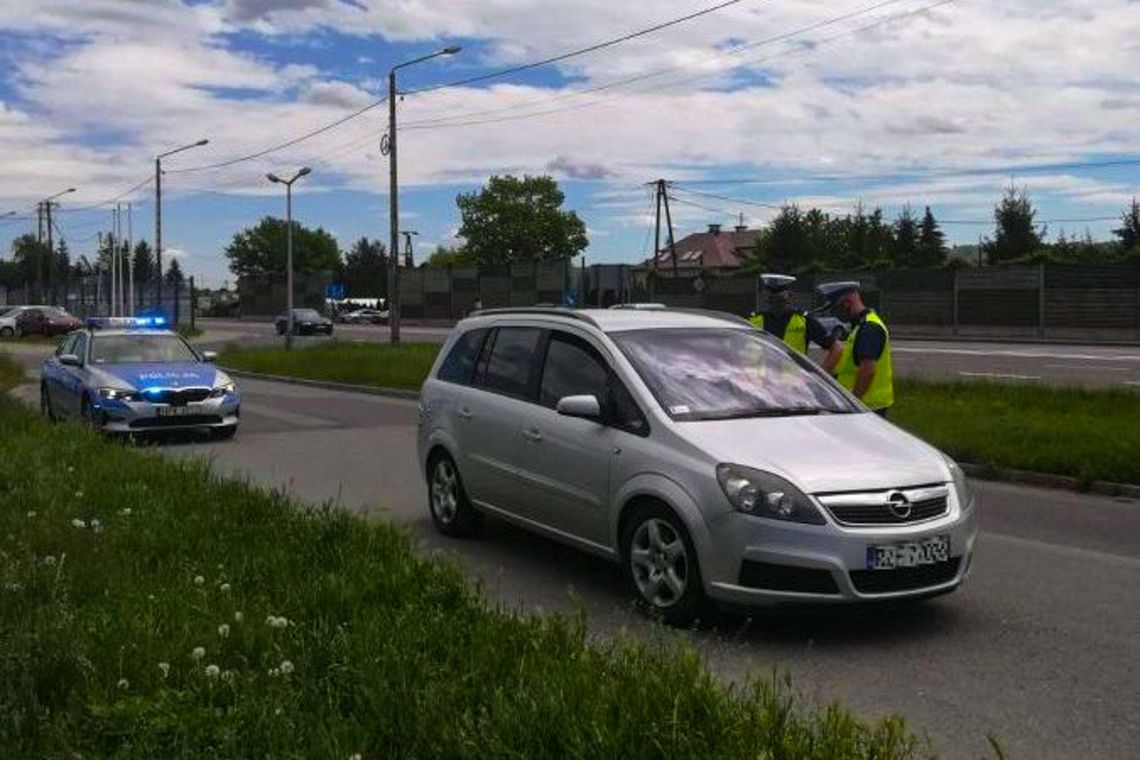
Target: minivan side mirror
{"type": "Point", "coordinates": [585, 406]}
{"type": "Point", "coordinates": [69, 360]}
{"type": "Point", "coordinates": [209, 356]}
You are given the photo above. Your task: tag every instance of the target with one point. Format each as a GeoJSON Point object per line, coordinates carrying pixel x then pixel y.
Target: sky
{"type": "Point", "coordinates": [764, 102]}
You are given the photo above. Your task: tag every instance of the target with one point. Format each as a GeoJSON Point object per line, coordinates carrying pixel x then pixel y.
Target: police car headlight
{"type": "Point", "coordinates": [961, 484]}
{"type": "Point", "coordinates": [763, 494]}
{"type": "Point", "coordinates": [222, 390]}
{"type": "Point", "coordinates": [117, 394]}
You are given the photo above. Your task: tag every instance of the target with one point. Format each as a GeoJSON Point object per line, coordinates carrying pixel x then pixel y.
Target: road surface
{"type": "Point", "coordinates": [1100, 366]}
{"type": "Point", "coordinates": [1038, 649]}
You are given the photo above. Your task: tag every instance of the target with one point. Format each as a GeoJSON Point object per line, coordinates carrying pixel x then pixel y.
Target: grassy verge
{"type": "Point", "coordinates": [1088, 434]}
{"type": "Point", "coordinates": [402, 366]}
{"type": "Point", "coordinates": [11, 373]}
{"type": "Point", "coordinates": [186, 331]}
{"type": "Point", "coordinates": [153, 610]}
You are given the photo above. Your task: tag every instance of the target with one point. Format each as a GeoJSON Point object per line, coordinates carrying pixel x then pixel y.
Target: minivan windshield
{"type": "Point", "coordinates": [720, 374]}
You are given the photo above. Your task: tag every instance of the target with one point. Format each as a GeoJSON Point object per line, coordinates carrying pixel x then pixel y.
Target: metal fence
{"type": "Point", "coordinates": [91, 296]}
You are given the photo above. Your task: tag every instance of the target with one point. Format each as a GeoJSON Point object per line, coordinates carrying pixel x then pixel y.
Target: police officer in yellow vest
{"type": "Point", "coordinates": [864, 365]}
{"type": "Point", "coordinates": [794, 327]}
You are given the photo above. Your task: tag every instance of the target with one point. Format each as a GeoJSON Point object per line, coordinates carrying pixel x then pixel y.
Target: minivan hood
{"type": "Point", "coordinates": [824, 453]}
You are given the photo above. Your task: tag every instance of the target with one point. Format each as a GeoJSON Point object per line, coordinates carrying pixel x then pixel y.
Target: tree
{"type": "Point", "coordinates": [144, 263]}
{"type": "Point", "coordinates": [443, 257]}
{"type": "Point", "coordinates": [787, 246]}
{"type": "Point", "coordinates": [259, 251]}
{"type": "Point", "coordinates": [29, 254]}
{"type": "Point", "coordinates": [1129, 230]}
{"type": "Point", "coordinates": [931, 242]}
{"type": "Point", "coordinates": [517, 220]}
{"type": "Point", "coordinates": [366, 269]}
{"type": "Point", "coordinates": [174, 276]}
{"type": "Point", "coordinates": [904, 248]}
{"type": "Point", "coordinates": [1015, 235]}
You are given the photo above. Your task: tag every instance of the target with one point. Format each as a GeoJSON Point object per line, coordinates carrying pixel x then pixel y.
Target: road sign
{"type": "Point", "coordinates": [335, 292]}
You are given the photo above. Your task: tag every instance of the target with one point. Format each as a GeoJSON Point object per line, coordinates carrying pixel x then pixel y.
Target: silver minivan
{"type": "Point", "coordinates": [708, 459]}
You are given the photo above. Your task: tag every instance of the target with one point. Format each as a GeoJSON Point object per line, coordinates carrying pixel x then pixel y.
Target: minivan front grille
{"type": "Point", "coordinates": [894, 507]}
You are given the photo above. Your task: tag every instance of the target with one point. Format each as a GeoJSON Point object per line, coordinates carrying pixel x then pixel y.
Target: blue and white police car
{"type": "Point", "coordinates": [128, 375]}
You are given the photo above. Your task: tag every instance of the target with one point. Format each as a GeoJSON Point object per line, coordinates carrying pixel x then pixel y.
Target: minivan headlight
{"type": "Point", "coordinates": [763, 494]}
{"type": "Point", "coordinates": [961, 484]}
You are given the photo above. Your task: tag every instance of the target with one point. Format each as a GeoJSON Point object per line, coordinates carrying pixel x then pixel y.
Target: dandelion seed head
{"type": "Point", "coordinates": [223, 630]}
{"type": "Point", "coordinates": [238, 617]}
{"type": "Point", "coordinates": [49, 560]}
{"type": "Point", "coordinates": [274, 672]}
{"type": "Point", "coordinates": [198, 653]}
{"type": "Point", "coordinates": [286, 667]}
{"type": "Point", "coordinates": [123, 684]}
{"type": "Point", "coordinates": [125, 511]}
{"type": "Point", "coordinates": [213, 671]}
{"type": "Point", "coordinates": [199, 580]}
{"type": "Point", "coordinates": [77, 523]}
{"type": "Point", "coordinates": [164, 668]}
{"type": "Point", "coordinates": [31, 513]}
{"type": "Point", "coordinates": [225, 588]}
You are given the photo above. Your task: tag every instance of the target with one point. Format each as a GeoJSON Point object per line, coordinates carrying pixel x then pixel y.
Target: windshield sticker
{"type": "Point", "coordinates": [679, 409]}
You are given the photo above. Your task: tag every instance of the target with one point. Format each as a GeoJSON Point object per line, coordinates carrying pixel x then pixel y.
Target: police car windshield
{"type": "Point", "coordinates": [129, 349]}
{"type": "Point", "coordinates": [720, 374]}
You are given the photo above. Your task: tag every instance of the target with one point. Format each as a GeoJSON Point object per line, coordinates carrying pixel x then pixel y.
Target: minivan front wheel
{"type": "Point", "coordinates": [451, 512]}
{"type": "Point", "coordinates": [661, 565]}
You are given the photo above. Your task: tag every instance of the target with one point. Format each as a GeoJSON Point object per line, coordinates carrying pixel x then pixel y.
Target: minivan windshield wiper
{"type": "Point", "coordinates": [740, 414]}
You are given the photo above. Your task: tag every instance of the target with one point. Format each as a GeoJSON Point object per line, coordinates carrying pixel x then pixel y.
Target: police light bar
{"type": "Point", "coordinates": [104, 323]}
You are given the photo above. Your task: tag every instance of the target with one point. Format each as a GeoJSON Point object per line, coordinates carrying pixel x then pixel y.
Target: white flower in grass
{"type": "Point", "coordinates": [124, 684]}
{"type": "Point", "coordinates": [70, 468]}
{"type": "Point", "coordinates": [49, 560]}
{"type": "Point", "coordinates": [96, 526]}
{"type": "Point", "coordinates": [79, 494]}
{"type": "Point", "coordinates": [356, 756]}
{"type": "Point", "coordinates": [77, 523]}
{"type": "Point", "coordinates": [224, 630]}
{"type": "Point", "coordinates": [164, 668]}
{"type": "Point", "coordinates": [31, 513]}
{"type": "Point", "coordinates": [274, 672]}
{"type": "Point", "coordinates": [224, 588]}
{"type": "Point", "coordinates": [213, 671]}
{"type": "Point", "coordinates": [286, 667]}
{"type": "Point", "coordinates": [199, 580]}
{"type": "Point", "coordinates": [125, 511]}
{"type": "Point", "coordinates": [198, 653]}
{"type": "Point", "coordinates": [238, 617]}
{"type": "Point", "coordinates": [277, 622]}
{"type": "Point", "coordinates": [277, 711]}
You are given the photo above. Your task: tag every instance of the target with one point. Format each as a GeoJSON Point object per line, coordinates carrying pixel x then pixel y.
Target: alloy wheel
{"type": "Point", "coordinates": [445, 492]}
{"type": "Point", "coordinates": [659, 563]}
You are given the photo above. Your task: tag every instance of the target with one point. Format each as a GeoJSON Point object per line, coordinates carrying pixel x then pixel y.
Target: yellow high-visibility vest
{"type": "Point", "coordinates": [795, 334]}
{"type": "Point", "coordinates": [881, 393]}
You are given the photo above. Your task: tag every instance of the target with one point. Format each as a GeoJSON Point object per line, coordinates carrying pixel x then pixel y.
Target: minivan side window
{"type": "Point", "coordinates": [459, 365]}
{"type": "Point", "coordinates": [509, 365]}
{"type": "Point", "coordinates": [572, 368]}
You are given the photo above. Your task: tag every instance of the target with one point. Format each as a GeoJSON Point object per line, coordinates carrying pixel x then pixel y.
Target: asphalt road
{"type": "Point", "coordinates": [1039, 649]}
{"type": "Point", "coordinates": [1100, 366]}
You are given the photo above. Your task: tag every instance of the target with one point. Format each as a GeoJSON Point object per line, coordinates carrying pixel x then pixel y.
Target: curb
{"type": "Point", "coordinates": [1045, 480]}
{"type": "Point", "coordinates": [979, 471]}
{"type": "Point", "coordinates": [325, 384]}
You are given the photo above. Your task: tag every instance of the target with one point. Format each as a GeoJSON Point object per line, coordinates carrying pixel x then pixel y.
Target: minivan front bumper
{"type": "Point", "coordinates": [754, 561]}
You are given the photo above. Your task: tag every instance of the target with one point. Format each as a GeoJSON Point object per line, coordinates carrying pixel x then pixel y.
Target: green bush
{"type": "Point", "coordinates": [400, 366]}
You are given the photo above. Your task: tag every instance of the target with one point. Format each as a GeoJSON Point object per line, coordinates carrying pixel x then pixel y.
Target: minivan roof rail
{"type": "Point", "coordinates": [559, 311]}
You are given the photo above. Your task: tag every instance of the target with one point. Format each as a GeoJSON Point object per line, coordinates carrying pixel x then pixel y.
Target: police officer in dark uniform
{"type": "Point", "coordinates": [864, 364]}
{"type": "Point", "coordinates": [794, 327]}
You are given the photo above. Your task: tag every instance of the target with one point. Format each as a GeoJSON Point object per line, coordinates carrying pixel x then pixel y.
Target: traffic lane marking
{"type": "Point", "coordinates": [1086, 368]}
{"type": "Point", "coordinates": [1019, 354]}
{"type": "Point", "coordinates": [1000, 375]}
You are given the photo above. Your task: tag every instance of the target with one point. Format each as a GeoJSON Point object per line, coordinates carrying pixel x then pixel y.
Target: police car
{"type": "Point", "coordinates": [129, 375]}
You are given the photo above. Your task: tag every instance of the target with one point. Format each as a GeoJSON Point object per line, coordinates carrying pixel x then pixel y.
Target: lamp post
{"type": "Point", "coordinates": [158, 213]}
{"type": "Point", "coordinates": [46, 205]}
{"type": "Point", "coordinates": [393, 193]}
{"type": "Point", "coordinates": [288, 183]}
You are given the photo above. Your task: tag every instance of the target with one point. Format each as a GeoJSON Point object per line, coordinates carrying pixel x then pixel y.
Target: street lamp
{"type": "Point", "coordinates": [393, 199]}
{"type": "Point", "coordinates": [158, 211]}
{"type": "Point", "coordinates": [45, 210]}
{"type": "Point", "coordinates": [288, 183]}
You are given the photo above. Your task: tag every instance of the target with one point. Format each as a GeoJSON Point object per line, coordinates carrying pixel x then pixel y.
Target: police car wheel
{"type": "Point", "coordinates": [451, 512]}
{"type": "Point", "coordinates": [661, 566]}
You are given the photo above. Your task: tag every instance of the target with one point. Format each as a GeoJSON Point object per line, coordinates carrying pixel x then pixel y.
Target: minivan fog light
{"type": "Point", "coordinates": [763, 494]}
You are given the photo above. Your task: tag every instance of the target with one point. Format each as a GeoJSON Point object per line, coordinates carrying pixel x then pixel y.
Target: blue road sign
{"type": "Point", "coordinates": [334, 292]}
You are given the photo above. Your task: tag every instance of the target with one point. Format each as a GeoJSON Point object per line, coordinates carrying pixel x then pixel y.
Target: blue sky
{"type": "Point", "coordinates": [787, 95]}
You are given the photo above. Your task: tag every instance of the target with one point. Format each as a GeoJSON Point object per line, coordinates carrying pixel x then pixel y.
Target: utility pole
{"type": "Point", "coordinates": [115, 260]}
{"type": "Point", "coordinates": [158, 212]}
{"type": "Point", "coordinates": [130, 264]}
{"type": "Point", "coordinates": [669, 221]}
{"type": "Point", "coordinates": [389, 148]}
{"type": "Point", "coordinates": [288, 249]}
{"type": "Point", "coordinates": [50, 250]}
{"type": "Point", "coordinates": [656, 237]}
{"type": "Point", "coordinates": [408, 262]}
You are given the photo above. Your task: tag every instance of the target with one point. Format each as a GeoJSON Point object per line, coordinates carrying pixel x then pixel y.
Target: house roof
{"type": "Point", "coordinates": [715, 248]}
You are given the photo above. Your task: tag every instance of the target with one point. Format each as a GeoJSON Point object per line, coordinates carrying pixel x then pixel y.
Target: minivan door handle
{"type": "Point", "coordinates": [465, 413]}
{"type": "Point", "coordinates": [532, 435]}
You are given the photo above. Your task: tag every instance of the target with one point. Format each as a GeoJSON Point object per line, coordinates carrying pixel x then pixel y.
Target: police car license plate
{"type": "Point", "coordinates": [177, 411]}
{"type": "Point", "coordinates": [928, 551]}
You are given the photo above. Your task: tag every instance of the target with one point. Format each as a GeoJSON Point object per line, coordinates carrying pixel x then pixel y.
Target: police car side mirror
{"type": "Point", "coordinates": [69, 360]}
{"type": "Point", "coordinates": [209, 356]}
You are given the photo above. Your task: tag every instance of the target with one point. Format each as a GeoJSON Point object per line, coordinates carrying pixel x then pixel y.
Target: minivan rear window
{"type": "Point", "coordinates": [459, 365]}
{"type": "Point", "coordinates": [512, 358]}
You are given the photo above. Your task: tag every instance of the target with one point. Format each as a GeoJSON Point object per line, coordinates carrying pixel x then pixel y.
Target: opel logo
{"type": "Point", "coordinates": [898, 504]}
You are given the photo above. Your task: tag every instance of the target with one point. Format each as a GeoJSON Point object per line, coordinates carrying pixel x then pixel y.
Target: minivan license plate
{"type": "Point", "coordinates": [928, 551]}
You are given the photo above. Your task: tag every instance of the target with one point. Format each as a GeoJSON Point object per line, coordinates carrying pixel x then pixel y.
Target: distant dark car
{"type": "Point", "coordinates": [305, 322]}
{"type": "Point", "coordinates": [46, 320]}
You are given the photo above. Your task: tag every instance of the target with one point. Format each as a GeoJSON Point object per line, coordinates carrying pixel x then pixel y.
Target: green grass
{"type": "Point", "coordinates": [186, 331]}
{"type": "Point", "coordinates": [403, 366]}
{"type": "Point", "coordinates": [116, 566]}
{"type": "Point", "coordinates": [11, 373]}
{"type": "Point", "coordinates": [1087, 434]}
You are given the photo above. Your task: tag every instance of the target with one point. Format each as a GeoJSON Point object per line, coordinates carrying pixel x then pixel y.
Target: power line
{"type": "Point", "coordinates": [740, 201]}
{"type": "Point", "coordinates": [580, 51]}
{"type": "Point", "coordinates": [514, 69]}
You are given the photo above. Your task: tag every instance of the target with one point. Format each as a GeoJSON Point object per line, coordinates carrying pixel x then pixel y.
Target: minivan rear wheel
{"type": "Point", "coordinates": [661, 565]}
{"type": "Point", "coordinates": [451, 511]}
